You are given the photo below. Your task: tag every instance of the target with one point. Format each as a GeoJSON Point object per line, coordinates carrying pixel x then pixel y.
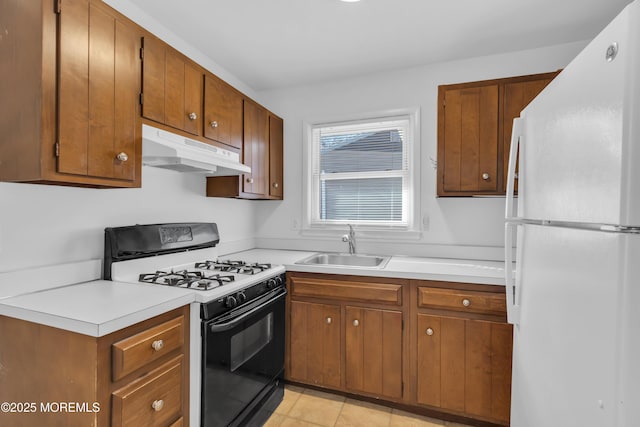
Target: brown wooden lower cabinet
{"type": "Point", "coordinates": [47, 365]}
{"type": "Point", "coordinates": [315, 343]}
{"type": "Point", "coordinates": [373, 351]}
{"type": "Point", "coordinates": [464, 365]}
{"type": "Point", "coordinates": [438, 348]}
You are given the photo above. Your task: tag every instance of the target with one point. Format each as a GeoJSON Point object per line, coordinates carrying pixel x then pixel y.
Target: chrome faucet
{"type": "Point", "coordinates": [351, 239]}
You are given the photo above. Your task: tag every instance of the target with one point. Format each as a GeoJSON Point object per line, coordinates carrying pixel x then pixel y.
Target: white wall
{"type": "Point", "coordinates": [457, 227]}
{"type": "Point", "coordinates": [45, 224]}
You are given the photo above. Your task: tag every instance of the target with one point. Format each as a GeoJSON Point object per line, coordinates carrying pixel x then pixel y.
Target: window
{"type": "Point", "coordinates": [361, 172]}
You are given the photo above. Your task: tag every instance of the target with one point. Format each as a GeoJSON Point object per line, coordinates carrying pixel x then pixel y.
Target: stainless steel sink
{"type": "Point", "coordinates": [346, 260]}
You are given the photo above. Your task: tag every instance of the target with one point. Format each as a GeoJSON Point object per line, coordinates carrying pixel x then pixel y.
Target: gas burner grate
{"type": "Point", "coordinates": [198, 280]}
{"type": "Point", "coordinates": [230, 266]}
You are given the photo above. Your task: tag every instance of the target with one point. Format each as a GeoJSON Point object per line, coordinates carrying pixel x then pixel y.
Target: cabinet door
{"type": "Point", "coordinates": [275, 157]}
{"type": "Point", "coordinates": [172, 88]}
{"type": "Point", "coordinates": [469, 145]}
{"type": "Point", "coordinates": [98, 93]}
{"type": "Point", "coordinates": [222, 112]}
{"type": "Point", "coordinates": [516, 97]}
{"type": "Point", "coordinates": [315, 349]}
{"type": "Point", "coordinates": [183, 94]}
{"type": "Point", "coordinates": [373, 351]}
{"type": "Point", "coordinates": [464, 365]}
{"type": "Point", "coordinates": [153, 79]}
{"type": "Point", "coordinates": [441, 362]}
{"type": "Point", "coordinates": [255, 149]}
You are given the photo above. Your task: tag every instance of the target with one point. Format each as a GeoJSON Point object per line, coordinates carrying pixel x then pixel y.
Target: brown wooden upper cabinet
{"type": "Point", "coordinates": [172, 87]}
{"type": "Point", "coordinates": [262, 150]}
{"type": "Point", "coordinates": [474, 132]}
{"type": "Point", "coordinates": [222, 112]}
{"type": "Point", "coordinates": [256, 149]}
{"type": "Point", "coordinates": [69, 110]}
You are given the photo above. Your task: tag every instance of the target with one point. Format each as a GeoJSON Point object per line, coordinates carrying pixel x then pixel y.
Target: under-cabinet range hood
{"type": "Point", "coordinates": [168, 150]}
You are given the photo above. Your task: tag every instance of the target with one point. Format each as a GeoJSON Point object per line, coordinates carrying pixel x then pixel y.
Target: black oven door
{"type": "Point", "coordinates": [243, 357]}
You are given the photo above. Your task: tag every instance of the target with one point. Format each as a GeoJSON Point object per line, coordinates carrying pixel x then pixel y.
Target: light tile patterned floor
{"type": "Point", "coordinates": [305, 407]}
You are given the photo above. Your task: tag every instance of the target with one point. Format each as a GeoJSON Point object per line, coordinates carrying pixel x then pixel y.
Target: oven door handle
{"type": "Point", "coordinates": [229, 325]}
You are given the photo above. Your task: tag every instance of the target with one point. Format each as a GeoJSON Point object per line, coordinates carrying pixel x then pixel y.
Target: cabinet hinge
{"type": "Point", "coordinates": [141, 53]}
{"type": "Point", "coordinates": [402, 389]}
{"type": "Point", "coordinates": [141, 98]}
{"type": "Point", "coordinates": [58, 6]}
{"type": "Point", "coordinates": [56, 147]}
{"type": "Point", "coordinates": [444, 103]}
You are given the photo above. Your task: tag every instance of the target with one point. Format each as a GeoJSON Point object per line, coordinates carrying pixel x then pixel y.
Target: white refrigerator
{"type": "Point", "coordinates": [573, 295]}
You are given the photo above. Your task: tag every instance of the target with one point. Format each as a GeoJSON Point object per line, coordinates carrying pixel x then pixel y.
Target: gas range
{"type": "Point", "coordinates": [237, 331]}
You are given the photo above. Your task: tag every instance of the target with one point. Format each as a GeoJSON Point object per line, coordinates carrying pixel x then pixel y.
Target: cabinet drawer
{"type": "Point", "coordinates": [153, 400]}
{"type": "Point", "coordinates": [382, 293]}
{"type": "Point", "coordinates": [458, 300]}
{"type": "Point", "coordinates": [136, 351]}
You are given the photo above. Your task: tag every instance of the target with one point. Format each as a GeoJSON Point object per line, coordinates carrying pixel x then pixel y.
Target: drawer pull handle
{"type": "Point", "coordinates": [193, 116]}
{"type": "Point", "coordinates": [122, 156]}
{"type": "Point", "coordinates": [486, 176]}
{"type": "Point", "coordinates": [429, 331]}
{"type": "Point", "coordinates": [157, 345]}
{"type": "Point", "coordinates": [157, 405]}
{"type": "Point", "coordinates": [356, 322]}
{"type": "Point", "coordinates": [466, 302]}
{"type": "Point", "coordinates": [329, 320]}
{"type": "Point", "coordinates": [214, 124]}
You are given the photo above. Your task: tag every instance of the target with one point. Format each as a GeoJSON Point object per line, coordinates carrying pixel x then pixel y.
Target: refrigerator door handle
{"type": "Point", "coordinates": [516, 141]}
{"type": "Point", "coordinates": [513, 309]}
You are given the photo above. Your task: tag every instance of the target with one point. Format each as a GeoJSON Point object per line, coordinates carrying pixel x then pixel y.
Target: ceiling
{"type": "Point", "coordinates": [276, 43]}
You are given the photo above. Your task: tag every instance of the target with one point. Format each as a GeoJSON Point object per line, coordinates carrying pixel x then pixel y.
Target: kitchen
{"type": "Point", "coordinates": [51, 225]}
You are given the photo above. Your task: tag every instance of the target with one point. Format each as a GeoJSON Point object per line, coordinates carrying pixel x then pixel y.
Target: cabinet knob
{"type": "Point", "coordinates": [275, 185]}
{"type": "Point", "coordinates": [329, 320]}
{"type": "Point", "coordinates": [157, 405]}
{"type": "Point", "coordinates": [250, 180]}
{"type": "Point", "coordinates": [193, 116]}
{"type": "Point", "coordinates": [214, 124]}
{"type": "Point", "coordinates": [356, 322]}
{"type": "Point", "coordinates": [157, 345]}
{"type": "Point", "coordinates": [429, 331]}
{"type": "Point", "coordinates": [515, 175]}
{"type": "Point", "coordinates": [122, 156]}
{"type": "Point", "coordinates": [485, 176]}
{"type": "Point", "coordinates": [466, 302]}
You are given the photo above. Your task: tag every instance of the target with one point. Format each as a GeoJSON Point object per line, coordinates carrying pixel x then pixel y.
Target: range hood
{"type": "Point", "coordinates": [168, 150]}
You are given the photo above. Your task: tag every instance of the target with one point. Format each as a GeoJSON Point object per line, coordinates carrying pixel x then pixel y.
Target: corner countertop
{"type": "Point", "coordinates": [440, 269]}
{"type": "Point", "coordinates": [94, 308]}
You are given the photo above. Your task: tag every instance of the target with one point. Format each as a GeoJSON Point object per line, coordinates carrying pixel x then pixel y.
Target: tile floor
{"type": "Point", "coordinates": [305, 407]}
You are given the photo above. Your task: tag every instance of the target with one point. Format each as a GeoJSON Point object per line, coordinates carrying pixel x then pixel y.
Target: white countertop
{"type": "Point", "coordinates": [440, 269]}
{"type": "Point", "coordinates": [98, 307]}
{"type": "Point", "coordinates": [95, 308]}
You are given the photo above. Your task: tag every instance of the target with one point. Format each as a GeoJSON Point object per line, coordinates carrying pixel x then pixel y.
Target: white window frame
{"type": "Point", "coordinates": [409, 228]}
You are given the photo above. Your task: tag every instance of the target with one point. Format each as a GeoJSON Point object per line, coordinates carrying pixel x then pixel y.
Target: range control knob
{"type": "Point", "coordinates": [231, 302]}
{"type": "Point", "coordinates": [271, 283]}
{"type": "Point", "coordinates": [279, 280]}
{"type": "Point", "coordinates": [241, 297]}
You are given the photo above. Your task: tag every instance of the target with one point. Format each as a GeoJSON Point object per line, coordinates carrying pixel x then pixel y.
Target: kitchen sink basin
{"type": "Point", "coordinates": [346, 260]}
